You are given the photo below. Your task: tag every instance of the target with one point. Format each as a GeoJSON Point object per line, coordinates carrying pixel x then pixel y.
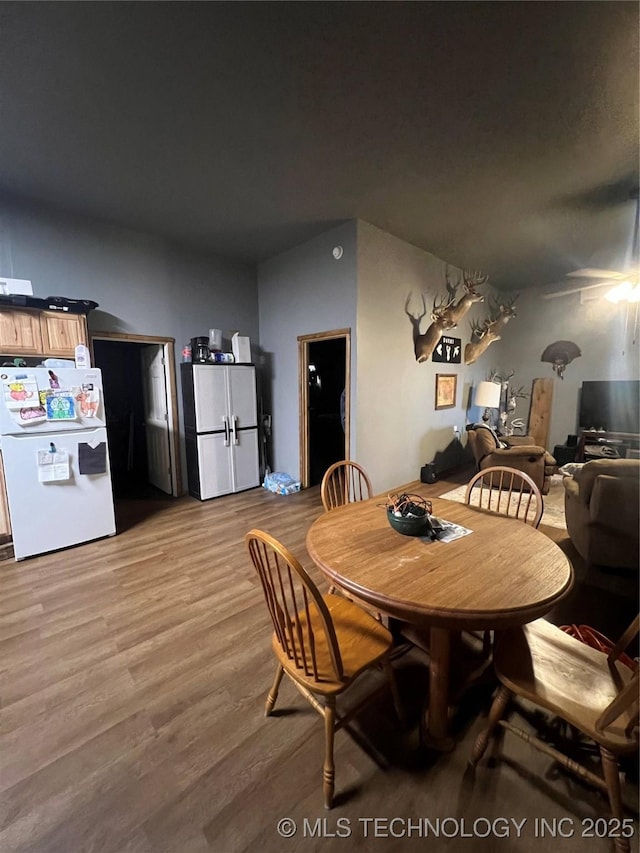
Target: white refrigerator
{"type": "Point", "coordinates": [56, 458]}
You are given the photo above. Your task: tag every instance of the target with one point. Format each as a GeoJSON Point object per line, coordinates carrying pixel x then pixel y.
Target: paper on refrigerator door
{"type": "Point", "coordinates": [88, 400]}
{"type": "Point", "coordinates": [22, 399]}
{"type": "Point", "coordinates": [53, 466]}
{"type": "Point", "coordinates": [21, 392]}
{"type": "Point", "coordinates": [92, 457]}
{"type": "Point", "coordinates": [61, 406]}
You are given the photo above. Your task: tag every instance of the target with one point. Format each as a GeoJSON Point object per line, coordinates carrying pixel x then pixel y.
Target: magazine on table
{"type": "Point", "coordinates": [445, 531]}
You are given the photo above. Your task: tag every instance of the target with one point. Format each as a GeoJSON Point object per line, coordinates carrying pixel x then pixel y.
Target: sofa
{"type": "Point", "coordinates": [514, 451]}
{"type": "Point", "coordinates": [602, 509]}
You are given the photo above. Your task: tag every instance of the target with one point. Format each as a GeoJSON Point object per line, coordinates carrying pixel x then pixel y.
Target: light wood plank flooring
{"type": "Point", "coordinates": [133, 677]}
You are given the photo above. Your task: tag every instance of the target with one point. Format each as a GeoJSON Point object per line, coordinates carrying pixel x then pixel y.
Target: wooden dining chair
{"type": "Point", "coordinates": [505, 491]}
{"type": "Point", "coordinates": [322, 642]}
{"type": "Point", "coordinates": [508, 492]}
{"type": "Point", "coordinates": [587, 688]}
{"type": "Point", "coordinates": [343, 483]}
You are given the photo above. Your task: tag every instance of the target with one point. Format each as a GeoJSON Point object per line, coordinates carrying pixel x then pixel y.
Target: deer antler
{"type": "Point", "coordinates": [478, 330]}
{"type": "Point", "coordinates": [441, 307]}
{"type": "Point", "coordinates": [473, 279]}
{"type": "Point", "coordinates": [502, 305]}
{"type": "Point", "coordinates": [502, 377]}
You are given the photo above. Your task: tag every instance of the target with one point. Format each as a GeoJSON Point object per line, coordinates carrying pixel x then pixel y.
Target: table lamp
{"type": "Point", "coordinates": [487, 394]}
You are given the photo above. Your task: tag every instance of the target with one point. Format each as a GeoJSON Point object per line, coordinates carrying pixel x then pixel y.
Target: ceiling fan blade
{"type": "Point", "coordinates": [595, 273]}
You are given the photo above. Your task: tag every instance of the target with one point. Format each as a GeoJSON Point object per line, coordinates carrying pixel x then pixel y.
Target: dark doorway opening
{"type": "Point", "coordinates": [122, 381]}
{"type": "Point", "coordinates": [326, 384]}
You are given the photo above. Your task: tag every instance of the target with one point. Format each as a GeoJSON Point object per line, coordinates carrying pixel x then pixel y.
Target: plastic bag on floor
{"type": "Point", "coordinates": [281, 484]}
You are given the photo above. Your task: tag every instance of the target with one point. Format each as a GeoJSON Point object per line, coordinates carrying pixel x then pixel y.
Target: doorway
{"type": "Point", "coordinates": [324, 361]}
{"type": "Point", "coordinates": [140, 402]}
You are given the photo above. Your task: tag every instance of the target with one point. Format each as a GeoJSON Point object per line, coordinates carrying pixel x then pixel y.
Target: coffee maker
{"type": "Point", "coordinates": [200, 350]}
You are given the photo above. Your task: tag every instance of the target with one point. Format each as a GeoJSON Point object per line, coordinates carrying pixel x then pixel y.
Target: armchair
{"type": "Point", "coordinates": [512, 451]}
{"type": "Point", "coordinates": [602, 508]}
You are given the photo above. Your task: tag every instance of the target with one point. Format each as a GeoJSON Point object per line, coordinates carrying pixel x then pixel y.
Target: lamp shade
{"type": "Point", "coordinates": [487, 395]}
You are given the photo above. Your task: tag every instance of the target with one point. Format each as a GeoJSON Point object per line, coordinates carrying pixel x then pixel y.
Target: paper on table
{"type": "Point", "coordinates": [53, 466]}
{"type": "Point", "coordinates": [449, 531]}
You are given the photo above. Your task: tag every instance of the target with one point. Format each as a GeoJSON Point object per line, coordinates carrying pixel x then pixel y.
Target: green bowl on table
{"type": "Point", "coordinates": [409, 525]}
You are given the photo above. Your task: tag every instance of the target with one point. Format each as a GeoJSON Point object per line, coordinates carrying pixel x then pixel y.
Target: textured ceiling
{"type": "Point", "coordinates": [500, 136]}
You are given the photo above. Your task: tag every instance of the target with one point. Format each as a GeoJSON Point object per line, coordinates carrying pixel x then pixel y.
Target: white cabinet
{"type": "Point", "coordinates": [211, 399]}
{"type": "Point", "coordinates": [243, 405]}
{"type": "Point", "coordinates": [215, 473]}
{"type": "Point", "coordinates": [220, 416]}
{"type": "Point", "coordinates": [246, 470]}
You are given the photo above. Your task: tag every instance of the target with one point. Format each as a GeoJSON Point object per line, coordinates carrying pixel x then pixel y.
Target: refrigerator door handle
{"type": "Point", "coordinates": [226, 431]}
{"type": "Point", "coordinates": [233, 428]}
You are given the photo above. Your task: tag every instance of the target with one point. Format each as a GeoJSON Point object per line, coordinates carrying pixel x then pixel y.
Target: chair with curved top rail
{"type": "Point", "coordinates": [344, 482]}
{"type": "Point", "coordinates": [505, 491]}
{"type": "Point", "coordinates": [509, 492]}
{"type": "Point", "coordinates": [322, 642]}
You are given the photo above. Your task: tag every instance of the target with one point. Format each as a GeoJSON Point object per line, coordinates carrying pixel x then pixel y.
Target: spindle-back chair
{"type": "Point", "coordinates": [344, 482]}
{"type": "Point", "coordinates": [322, 642]}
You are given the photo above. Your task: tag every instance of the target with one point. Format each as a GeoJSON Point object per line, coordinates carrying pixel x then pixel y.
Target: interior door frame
{"type": "Point", "coordinates": [303, 394]}
{"type": "Point", "coordinates": [168, 353]}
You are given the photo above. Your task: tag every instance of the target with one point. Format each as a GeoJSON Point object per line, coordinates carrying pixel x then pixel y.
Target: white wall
{"type": "Point", "coordinates": [143, 284]}
{"type": "Point", "coordinates": [398, 428]}
{"type": "Point", "coordinates": [302, 291]}
{"type": "Point", "coordinates": [597, 327]}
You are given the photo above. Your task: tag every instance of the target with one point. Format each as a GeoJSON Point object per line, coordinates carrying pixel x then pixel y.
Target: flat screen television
{"type": "Point", "coordinates": [611, 405]}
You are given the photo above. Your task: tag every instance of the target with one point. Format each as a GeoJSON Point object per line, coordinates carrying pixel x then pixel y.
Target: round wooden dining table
{"type": "Point", "coordinates": [503, 574]}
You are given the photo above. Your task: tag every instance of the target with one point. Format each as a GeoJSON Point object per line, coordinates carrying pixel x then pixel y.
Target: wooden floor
{"type": "Point", "coordinates": [134, 672]}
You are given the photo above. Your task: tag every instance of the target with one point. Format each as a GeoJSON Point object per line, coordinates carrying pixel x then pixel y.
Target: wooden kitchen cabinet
{"type": "Point", "coordinates": [20, 332]}
{"type": "Point", "coordinates": [61, 333]}
{"type": "Point", "coordinates": [31, 332]}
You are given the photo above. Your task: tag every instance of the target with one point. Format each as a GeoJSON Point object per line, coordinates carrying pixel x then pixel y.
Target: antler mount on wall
{"type": "Point", "coordinates": [484, 334]}
{"type": "Point", "coordinates": [445, 314]}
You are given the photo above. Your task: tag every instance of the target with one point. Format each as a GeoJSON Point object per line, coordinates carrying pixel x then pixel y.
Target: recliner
{"type": "Point", "coordinates": [512, 451]}
{"type": "Point", "coordinates": [602, 508]}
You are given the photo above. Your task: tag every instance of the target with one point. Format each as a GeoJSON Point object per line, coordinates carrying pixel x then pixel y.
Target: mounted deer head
{"type": "Point", "coordinates": [424, 344]}
{"type": "Point", "coordinates": [486, 333]}
{"type": "Point", "coordinates": [456, 311]}
{"type": "Point", "coordinates": [446, 313]}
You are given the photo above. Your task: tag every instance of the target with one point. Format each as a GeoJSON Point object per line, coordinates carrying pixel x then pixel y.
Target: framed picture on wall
{"type": "Point", "coordinates": [446, 387]}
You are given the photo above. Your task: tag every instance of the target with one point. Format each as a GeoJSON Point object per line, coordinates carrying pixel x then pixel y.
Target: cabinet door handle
{"type": "Point", "coordinates": [233, 428]}
{"type": "Point", "coordinates": [226, 431]}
